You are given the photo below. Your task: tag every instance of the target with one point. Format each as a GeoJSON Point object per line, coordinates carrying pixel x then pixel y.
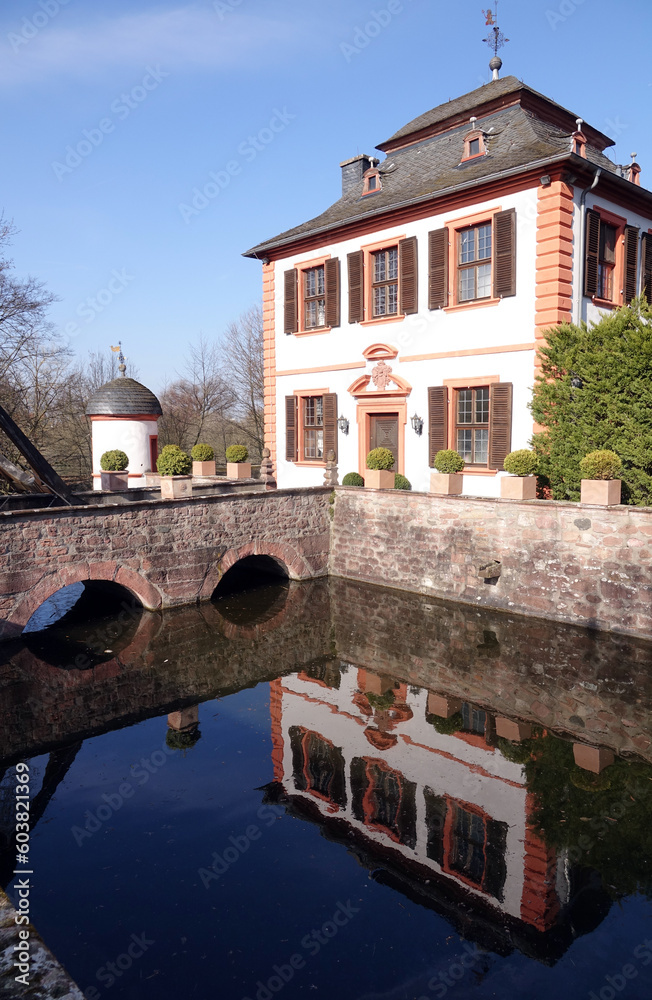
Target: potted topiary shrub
{"type": "Point", "coordinates": [521, 484]}
{"type": "Point", "coordinates": [447, 479]}
{"type": "Point", "coordinates": [237, 466]}
{"type": "Point", "coordinates": [113, 470]}
{"type": "Point", "coordinates": [377, 475]}
{"type": "Point", "coordinates": [174, 466]}
{"type": "Point", "coordinates": [203, 460]}
{"type": "Point", "coordinates": [353, 479]}
{"type": "Point", "coordinates": [599, 478]}
{"type": "Point", "coordinates": [401, 483]}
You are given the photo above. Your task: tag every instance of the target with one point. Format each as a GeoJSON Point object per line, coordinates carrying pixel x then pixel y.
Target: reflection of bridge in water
{"type": "Point", "coordinates": [403, 762]}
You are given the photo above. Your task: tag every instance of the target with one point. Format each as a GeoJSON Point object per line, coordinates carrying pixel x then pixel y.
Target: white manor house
{"type": "Point", "coordinates": [408, 315]}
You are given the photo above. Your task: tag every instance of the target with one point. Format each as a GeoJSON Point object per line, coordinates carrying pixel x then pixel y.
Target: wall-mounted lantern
{"type": "Point", "coordinates": [343, 424]}
{"type": "Point", "coordinates": [417, 424]}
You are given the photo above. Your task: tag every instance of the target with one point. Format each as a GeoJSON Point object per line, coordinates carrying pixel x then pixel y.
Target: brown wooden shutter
{"type": "Point", "coordinates": [291, 428]}
{"type": "Point", "coordinates": [356, 286]}
{"type": "Point", "coordinates": [437, 420]}
{"type": "Point", "coordinates": [330, 424]}
{"type": "Point", "coordinates": [332, 288]}
{"type": "Point", "coordinates": [631, 262]}
{"type": "Point", "coordinates": [438, 269]}
{"type": "Point", "coordinates": [408, 275]}
{"type": "Point", "coordinates": [646, 266]}
{"type": "Point", "coordinates": [504, 251]}
{"type": "Point", "coordinates": [291, 305]}
{"type": "Point", "coordinates": [591, 253]}
{"type": "Point", "coordinates": [500, 423]}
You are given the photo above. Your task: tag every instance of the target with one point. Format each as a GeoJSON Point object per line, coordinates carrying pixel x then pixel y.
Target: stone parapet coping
{"type": "Point", "coordinates": [48, 980]}
{"type": "Point", "coordinates": [119, 508]}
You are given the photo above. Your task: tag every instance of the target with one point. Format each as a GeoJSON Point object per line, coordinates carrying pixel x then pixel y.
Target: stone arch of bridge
{"type": "Point", "coordinates": [287, 558]}
{"type": "Point", "coordinates": [106, 572]}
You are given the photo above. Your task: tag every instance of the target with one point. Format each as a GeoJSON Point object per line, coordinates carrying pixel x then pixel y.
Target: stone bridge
{"type": "Point", "coordinates": [166, 553]}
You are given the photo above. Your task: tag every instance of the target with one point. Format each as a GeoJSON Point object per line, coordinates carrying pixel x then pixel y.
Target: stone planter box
{"type": "Point", "coordinates": [377, 684]}
{"type": "Point", "coordinates": [153, 479]}
{"type": "Point", "coordinates": [238, 470]}
{"type": "Point", "coordinates": [203, 468]}
{"type": "Point", "coordinates": [446, 484]}
{"type": "Point", "coordinates": [173, 487]}
{"type": "Point", "coordinates": [605, 492]}
{"type": "Point", "coordinates": [442, 705]}
{"type": "Point", "coordinates": [593, 759]}
{"type": "Point", "coordinates": [379, 479]}
{"type": "Point", "coordinates": [518, 487]}
{"type": "Point", "coordinates": [511, 730]}
{"type": "Point", "coordinates": [114, 482]}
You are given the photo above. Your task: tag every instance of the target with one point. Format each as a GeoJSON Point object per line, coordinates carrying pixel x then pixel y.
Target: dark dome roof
{"type": "Point", "coordinates": [121, 398]}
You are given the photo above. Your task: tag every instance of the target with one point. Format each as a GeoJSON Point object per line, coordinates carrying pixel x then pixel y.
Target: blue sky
{"type": "Point", "coordinates": [163, 95]}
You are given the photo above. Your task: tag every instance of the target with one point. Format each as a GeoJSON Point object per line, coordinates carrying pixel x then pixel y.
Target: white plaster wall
{"type": "Point", "coordinates": [130, 436]}
{"type": "Point", "coordinates": [454, 771]}
{"type": "Point", "coordinates": [511, 322]}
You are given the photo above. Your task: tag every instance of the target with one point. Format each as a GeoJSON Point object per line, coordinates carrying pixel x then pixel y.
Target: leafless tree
{"type": "Point", "coordinates": [23, 309]}
{"type": "Point", "coordinates": [243, 351]}
{"type": "Point", "coordinates": [199, 399]}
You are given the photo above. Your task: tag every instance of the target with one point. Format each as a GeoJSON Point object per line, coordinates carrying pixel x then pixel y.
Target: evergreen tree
{"type": "Point", "coordinates": [609, 406]}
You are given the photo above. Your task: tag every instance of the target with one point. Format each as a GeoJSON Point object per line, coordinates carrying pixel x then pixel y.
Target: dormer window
{"type": "Point", "coordinates": [473, 145]}
{"type": "Point", "coordinates": [372, 182]}
{"type": "Point", "coordinates": [579, 144]}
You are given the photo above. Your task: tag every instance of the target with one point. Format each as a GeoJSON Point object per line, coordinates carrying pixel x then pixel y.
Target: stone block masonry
{"type": "Point", "coordinates": [166, 553]}
{"type": "Point", "coordinates": [591, 566]}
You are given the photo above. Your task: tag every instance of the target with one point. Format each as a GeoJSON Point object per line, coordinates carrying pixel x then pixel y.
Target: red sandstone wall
{"type": "Point", "coordinates": [166, 552]}
{"type": "Point", "coordinates": [591, 566]}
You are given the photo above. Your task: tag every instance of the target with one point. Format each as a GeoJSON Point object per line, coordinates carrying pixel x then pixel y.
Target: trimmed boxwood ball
{"type": "Point", "coordinates": [446, 726]}
{"type": "Point", "coordinates": [448, 461]}
{"type": "Point", "coordinates": [380, 458]}
{"type": "Point", "coordinates": [521, 463]}
{"type": "Point", "coordinates": [237, 453]}
{"type": "Point", "coordinates": [353, 479]}
{"type": "Point", "coordinates": [401, 483]}
{"type": "Point", "coordinates": [202, 453]}
{"type": "Point", "coordinates": [600, 465]}
{"type": "Point", "coordinates": [114, 461]}
{"type": "Point", "coordinates": [173, 461]}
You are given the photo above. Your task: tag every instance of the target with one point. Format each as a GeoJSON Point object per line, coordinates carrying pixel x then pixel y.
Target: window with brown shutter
{"type": "Point", "coordinates": [505, 253]}
{"type": "Point", "coordinates": [290, 429]}
{"type": "Point", "coordinates": [330, 424]}
{"type": "Point", "coordinates": [408, 275]}
{"type": "Point", "coordinates": [438, 269]}
{"type": "Point", "coordinates": [591, 253]}
{"type": "Point", "coordinates": [646, 266]}
{"type": "Point", "coordinates": [290, 323]}
{"type": "Point", "coordinates": [500, 423]}
{"type": "Point", "coordinates": [471, 438]}
{"type": "Point", "coordinates": [631, 263]}
{"type": "Point", "coordinates": [356, 287]}
{"type": "Point", "coordinates": [332, 277]}
{"type": "Point", "coordinates": [437, 420]}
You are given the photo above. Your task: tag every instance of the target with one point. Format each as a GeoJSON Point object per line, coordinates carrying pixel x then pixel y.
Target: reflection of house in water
{"type": "Point", "coordinates": [440, 815]}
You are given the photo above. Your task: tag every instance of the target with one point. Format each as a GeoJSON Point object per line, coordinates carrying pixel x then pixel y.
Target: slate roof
{"type": "Point", "coordinates": [516, 139]}
{"type": "Point", "coordinates": [469, 102]}
{"type": "Point", "coordinates": [121, 398]}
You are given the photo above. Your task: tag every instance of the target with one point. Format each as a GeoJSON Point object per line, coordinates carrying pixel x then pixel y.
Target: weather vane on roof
{"type": "Point", "coordinates": [495, 39]}
{"type": "Point", "coordinates": [122, 367]}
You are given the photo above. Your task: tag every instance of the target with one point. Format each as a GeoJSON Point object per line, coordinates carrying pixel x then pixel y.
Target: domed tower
{"type": "Point", "coordinates": [124, 415]}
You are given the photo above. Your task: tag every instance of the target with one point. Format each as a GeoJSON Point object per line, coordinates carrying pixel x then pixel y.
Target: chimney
{"type": "Point", "coordinates": [353, 171]}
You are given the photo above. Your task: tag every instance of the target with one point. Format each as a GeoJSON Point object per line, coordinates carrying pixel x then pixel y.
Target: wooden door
{"type": "Point", "coordinates": [384, 433]}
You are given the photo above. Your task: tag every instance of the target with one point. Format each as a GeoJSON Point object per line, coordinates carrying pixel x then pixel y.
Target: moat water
{"type": "Point", "coordinates": [304, 790]}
